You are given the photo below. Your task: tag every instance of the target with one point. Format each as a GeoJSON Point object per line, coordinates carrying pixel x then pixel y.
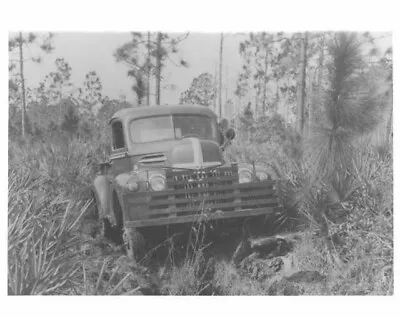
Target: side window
{"type": "Point", "coordinates": [117, 135]}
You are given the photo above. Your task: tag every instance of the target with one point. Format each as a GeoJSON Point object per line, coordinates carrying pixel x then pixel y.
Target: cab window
{"type": "Point", "coordinates": [117, 136]}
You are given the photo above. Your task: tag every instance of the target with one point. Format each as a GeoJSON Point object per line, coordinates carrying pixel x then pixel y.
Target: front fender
{"type": "Point", "coordinates": [102, 192]}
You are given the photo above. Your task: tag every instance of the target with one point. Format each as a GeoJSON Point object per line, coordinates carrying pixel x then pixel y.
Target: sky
{"type": "Point", "coordinates": [94, 51]}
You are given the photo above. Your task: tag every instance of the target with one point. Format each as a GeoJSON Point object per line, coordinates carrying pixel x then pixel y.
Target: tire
{"type": "Point", "coordinates": [106, 229]}
{"type": "Point", "coordinates": [135, 244]}
{"type": "Point", "coordinates": [117, 227]}
{"type": "Point", "coordinates": [93, 210]}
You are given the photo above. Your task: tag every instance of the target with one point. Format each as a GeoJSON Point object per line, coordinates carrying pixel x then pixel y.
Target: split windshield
{"type": "Point", "coordinates": [172, 127]}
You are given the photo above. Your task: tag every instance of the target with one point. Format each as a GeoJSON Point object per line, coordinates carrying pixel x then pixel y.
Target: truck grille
{"type": "Point", "coordinates": [194, 192]}
{"type": "Point", "coordinates": [214, 188]}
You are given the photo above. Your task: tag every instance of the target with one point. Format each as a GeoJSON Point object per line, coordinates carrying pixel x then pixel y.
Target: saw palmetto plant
{"type": "Point", "coordinates": [41, 245]}
{"type": "Point", "coordinates": [351, 108]}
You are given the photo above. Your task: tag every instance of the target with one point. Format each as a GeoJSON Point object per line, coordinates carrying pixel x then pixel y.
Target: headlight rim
{"type": "Point", "coordinates": [250, 174]}
{"type": "Point", "coordinates": [152, 177]}
{"type": "Point", "coordinates": [132, 186]}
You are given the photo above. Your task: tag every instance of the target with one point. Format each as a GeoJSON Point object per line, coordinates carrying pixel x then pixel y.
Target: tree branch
{"type": "Point", "coordinates": [172, 61]}
{"type": "Point", "coordinates": [181, 38]}
{"type": "Point", "coordinates": [29, 51]}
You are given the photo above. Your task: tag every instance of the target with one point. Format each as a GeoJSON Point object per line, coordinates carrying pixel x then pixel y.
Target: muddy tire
{"type": "Point", "coordinates": [117, 227]}
{"type": "Point", "coordinates": [135, 244]}
{"type": "Point", "coordinates": [106, 229]}
{"type": "Point", "coordinates": [93, 210]}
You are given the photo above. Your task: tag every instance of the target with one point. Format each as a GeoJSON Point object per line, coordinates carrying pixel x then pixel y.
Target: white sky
{"type": "Point", "coordinates": [94, 51]}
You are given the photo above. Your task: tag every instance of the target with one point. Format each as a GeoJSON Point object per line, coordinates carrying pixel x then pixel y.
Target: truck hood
{"type": "Point", "coordinates": [187, 153]}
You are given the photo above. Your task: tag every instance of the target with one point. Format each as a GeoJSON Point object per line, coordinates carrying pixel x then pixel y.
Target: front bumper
{"type": "Point", "coordinates": [205, 216]}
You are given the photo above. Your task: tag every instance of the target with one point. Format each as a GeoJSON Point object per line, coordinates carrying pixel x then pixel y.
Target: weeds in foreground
{"type": "Point", "coordinates": [41, 245]}
{"type": "Point", "coordinates": [191, 275]}
{"type": "Point", "coordinates": [107, 284]}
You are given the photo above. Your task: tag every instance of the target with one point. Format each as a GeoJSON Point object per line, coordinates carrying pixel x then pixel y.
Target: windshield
{"type": "Point", "coordinates": [172, 127]}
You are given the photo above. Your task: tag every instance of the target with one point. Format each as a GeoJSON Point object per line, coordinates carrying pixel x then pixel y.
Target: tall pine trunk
{"type": "Point", "coordinates": [320, 74]}
{"type": "Point", "coordinates": [220, 76]}
{"type": "Point", "coordinates": [286, 110]}
{"type": "Point", "coordinates": [301, 85]}
{"type": "Point", "coordinates": [310, 99]}
{"type": "Point", "coordinates": [148, 70]}
{"type": "Point", "coordinates": [259, 101]}
{"type": "Point", "coordinates": [21, 71]}
{"type": "Point", "coordinates": [215, 86]}
{"type": "Point", "coordinates": [227, 109]}
{"type": "Point", "coordinates": [60, 107]}
{"type": "Point", "coordinates": [158, 69]}
{"type": "Point", "coordinates": [389, 128]}
{"type": "Point", "coordinates": [264, 107]}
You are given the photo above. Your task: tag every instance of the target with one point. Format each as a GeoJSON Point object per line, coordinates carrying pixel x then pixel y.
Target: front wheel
{"type": "Point", "coordinates": [135, 243]}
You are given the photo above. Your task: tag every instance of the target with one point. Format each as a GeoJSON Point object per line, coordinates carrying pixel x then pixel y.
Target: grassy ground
{"type": "Point", "coordinates": [54, 249]}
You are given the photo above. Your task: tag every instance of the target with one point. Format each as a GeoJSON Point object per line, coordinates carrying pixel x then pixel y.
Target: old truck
{"type": "Point", "coordinates": [167, 167]}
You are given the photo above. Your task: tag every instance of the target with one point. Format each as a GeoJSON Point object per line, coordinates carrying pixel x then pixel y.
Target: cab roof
{"type": "Point", "coordinates": [128, 114]}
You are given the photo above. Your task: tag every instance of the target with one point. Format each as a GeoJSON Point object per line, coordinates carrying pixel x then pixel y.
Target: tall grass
{"type": "Point", "coordinates": [50, 251]}
{"type": "Point", "coordinates": [41, 244]}
{"type": "Point", "coordinates": [47, 200]}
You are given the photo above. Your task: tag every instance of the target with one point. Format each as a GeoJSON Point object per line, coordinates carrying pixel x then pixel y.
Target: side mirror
{"type": "Point", "coordinates": [223, 124]}
{"type": "Point", "coordinates": [230, 134]}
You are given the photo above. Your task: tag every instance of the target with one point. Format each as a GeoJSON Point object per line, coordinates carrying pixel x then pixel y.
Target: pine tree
{"type": "Point", "coordinates": [301, 85]}
{"type": "Point", "coordinates": [351, 108]}
{"type": "Point", "coordinates": [270, 64]}
{"type": "Point", "coordinates": [221, 47]}
{"type": "Point", "coordinates": [145, 56]}
{"type": "Point", "coordinates": [139, 88]}
{"type": "Point", "coordinates": [92, 87]}
{"type": "Point", "coordinates": [59, 81]}
{"type": "Point", "coordinates": [148, 68]}
{"type": "Point", "coordinates": [387, 62]}
{"type": "Point", "coordinates": [201, 91]}
{"type": "Point", "coordinates": [18, 43]}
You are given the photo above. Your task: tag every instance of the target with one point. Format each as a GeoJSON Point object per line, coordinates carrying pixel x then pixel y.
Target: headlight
{"type": "Point", "coordinates": [132, 186]}
{"type": "Point", "coordinates": [157, 182]}
{"type": "Point", "coordinates": [262, 176]}
{"type": "Point", "coordinates": [245, 176]}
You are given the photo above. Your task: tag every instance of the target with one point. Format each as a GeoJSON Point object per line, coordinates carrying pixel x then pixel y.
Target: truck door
{"type": "Point", "coordinates": [119, 158]}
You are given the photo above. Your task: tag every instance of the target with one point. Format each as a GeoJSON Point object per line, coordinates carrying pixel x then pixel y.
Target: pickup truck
{"type": "Point", "coordinates": [166, 167]}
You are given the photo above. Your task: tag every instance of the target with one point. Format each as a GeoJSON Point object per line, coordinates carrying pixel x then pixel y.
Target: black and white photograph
{"type": "Point", "coordinates": [151, 162]}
